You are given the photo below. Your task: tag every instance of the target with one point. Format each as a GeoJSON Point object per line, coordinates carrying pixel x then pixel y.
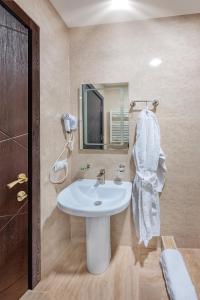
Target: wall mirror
{"type": "Point", "coordinates": [104, 116]}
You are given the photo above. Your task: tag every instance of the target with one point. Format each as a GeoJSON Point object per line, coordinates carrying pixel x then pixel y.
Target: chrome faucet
{"type": "Point", "coordinates": [101, 176]}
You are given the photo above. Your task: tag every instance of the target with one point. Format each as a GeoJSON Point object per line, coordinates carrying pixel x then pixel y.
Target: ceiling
{"type": "Point", "coordinates": [91, 12]}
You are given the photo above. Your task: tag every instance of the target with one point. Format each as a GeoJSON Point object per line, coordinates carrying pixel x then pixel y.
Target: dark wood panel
{"type": "Point", "coordinates": [34, 140]}
{"type": "Point", "coordinates": [24, 208]}
{"type": "Point", "coordinates": [13, 256]}
{"type": "Point", "coordinates": [14, 9]}
{"type": "Point", "coordinates": [14, 82]}
{"type": "Point", "coordinates": [22, 140]}
{"type": "Point", "coordinates": [4, 220]}
{"type": "Point", "coordinates": [6, 19]}
{"type": "Point", "coordinates": [3, 136]}
{"type": "Point", "coordinates": [15, 289]}
{"type": "Point", "coordinates": [13, 160]}
{"type": "Point", "coordinates": [14, 97]}
{"type": "Point", "coordinates": [34, 205]}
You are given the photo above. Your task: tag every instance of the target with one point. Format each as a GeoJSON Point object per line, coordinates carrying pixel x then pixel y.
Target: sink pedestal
{"type": "Point", "coordinates": [96, 202]}
{"type": "Point", "coordinates": [98, 244]}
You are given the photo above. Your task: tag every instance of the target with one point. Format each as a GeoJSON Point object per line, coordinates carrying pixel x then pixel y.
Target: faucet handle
{"type": "Point", "coordinates": [121, 168]}
{"type": "Point", "coordinates": [85, 168]}
{"type": "Point", "coordinates": [101, 176]}
{"type": "Point", "coordinates": [102, 171]}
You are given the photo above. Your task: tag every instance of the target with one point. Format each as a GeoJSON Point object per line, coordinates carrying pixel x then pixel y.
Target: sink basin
{"type": "Point", "coordinates": [96, 202]}
{"type": "Point", "coordinates": [88, 198]}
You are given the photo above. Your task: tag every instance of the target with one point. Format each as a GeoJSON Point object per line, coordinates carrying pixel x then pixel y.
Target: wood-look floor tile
{"type": "Point", "coordinates": [34, 295]}
{"type": "Point", "coordinates": [133, 274]}
{"type": "Point", "coordinates": [71, 280]}
{"type": "Point", "coordinates": [151, 282]}
{"type": "Point", "coordinates": [192, 260]}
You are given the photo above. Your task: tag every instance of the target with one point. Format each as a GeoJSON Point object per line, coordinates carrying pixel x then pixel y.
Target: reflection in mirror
{"type": "Point", "coordinates": [104, 116]}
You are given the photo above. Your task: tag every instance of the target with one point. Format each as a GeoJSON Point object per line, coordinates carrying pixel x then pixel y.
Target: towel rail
{"type": "Point", "coordinates": [155, 103]}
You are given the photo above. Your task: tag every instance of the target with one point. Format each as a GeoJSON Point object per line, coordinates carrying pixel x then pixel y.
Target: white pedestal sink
{"type": "Point", "coordinates": [96, 202]}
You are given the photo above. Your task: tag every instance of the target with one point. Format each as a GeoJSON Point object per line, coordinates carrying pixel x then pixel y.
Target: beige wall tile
{"type": "Point", "coordinates": [122, 52]}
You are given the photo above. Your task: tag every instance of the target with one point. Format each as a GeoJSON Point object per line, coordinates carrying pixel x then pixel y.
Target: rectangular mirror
{"type": "Point", "coordinates": [104, 116]}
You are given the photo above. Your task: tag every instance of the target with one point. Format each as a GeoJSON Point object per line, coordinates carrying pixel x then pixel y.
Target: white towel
{"type": "Point", "coordinates": [178, 282]}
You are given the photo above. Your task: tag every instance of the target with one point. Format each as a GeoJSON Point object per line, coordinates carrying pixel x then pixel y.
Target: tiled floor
{"type": "Point", "coordinates": [130, 276]}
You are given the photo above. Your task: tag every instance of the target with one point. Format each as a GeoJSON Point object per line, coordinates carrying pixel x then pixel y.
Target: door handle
{"type": "Point", "coordinates": [22, 195]}
{"type": "Point", "coordinates": [21, 178]}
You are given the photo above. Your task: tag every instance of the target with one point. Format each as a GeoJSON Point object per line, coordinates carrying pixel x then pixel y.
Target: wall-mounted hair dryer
{"type": "Point", "coordinates": [61, 165]}
{"type": "Point", "coordinates": [70, 122]}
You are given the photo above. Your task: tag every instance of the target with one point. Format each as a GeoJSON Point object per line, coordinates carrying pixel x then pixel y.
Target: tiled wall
{"type": "Point", "coordinates": [122, 52]}
{"type": "Point", "coordinates": [54, 100]}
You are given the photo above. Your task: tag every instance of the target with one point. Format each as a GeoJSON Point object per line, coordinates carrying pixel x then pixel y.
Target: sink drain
{"type": "Point", "coordinates": [97, 203]}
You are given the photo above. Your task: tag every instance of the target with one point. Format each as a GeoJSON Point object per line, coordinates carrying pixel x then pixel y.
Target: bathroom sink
{"type": "Point", "coordinates": [88, 198]}
{"type": "Point", "coordinates": [96, 202]}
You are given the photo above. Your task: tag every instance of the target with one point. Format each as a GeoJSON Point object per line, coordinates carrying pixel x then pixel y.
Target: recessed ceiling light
{"type": "Point", "coordinates": [120, 4]}
{"type": "Point", "coordinates": [155, 62]}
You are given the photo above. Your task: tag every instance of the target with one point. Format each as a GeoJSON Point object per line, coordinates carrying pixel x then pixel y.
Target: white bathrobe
{"type": "Point", "coordinates": [149, 179]}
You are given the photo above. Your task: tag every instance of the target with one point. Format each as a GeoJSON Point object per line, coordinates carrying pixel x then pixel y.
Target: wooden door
{"type": "Point", "coordinates": [13, 156]}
